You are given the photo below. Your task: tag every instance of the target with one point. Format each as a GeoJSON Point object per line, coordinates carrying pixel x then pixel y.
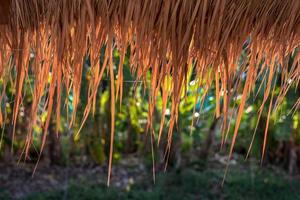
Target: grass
{"type": "Point", "coordinates": [188, 183]}
{"type": "Point", "coordinates": [4, 194]}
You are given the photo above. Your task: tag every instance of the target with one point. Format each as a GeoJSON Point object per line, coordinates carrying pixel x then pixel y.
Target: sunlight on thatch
{"type": "Point", "coordinates": [167, 38]}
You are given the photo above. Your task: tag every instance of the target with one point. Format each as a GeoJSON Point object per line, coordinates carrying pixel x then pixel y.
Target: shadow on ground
{"type": "Point", "coordinates": [194, 181]}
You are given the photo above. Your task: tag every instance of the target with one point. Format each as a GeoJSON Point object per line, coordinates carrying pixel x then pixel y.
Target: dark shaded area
{"type": "Point", "coordinates": [132, 180]}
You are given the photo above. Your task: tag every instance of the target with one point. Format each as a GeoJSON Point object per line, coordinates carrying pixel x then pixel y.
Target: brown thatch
{"type": "Point", "coordinates": [164, 37]}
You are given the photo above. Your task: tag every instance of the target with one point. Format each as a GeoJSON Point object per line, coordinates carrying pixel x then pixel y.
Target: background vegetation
{"type": "Point", "coordinates": [196, 162]}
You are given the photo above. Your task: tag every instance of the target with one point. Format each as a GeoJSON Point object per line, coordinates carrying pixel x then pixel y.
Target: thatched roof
{"type": "Point", "coordinates": [164, 37]}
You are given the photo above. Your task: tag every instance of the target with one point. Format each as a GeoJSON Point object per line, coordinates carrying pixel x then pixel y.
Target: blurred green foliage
{"type": "Point", "coordinates": [92, 143]}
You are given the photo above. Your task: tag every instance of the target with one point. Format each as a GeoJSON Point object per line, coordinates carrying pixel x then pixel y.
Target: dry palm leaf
{"type": "Point", "coordinates": [164, 37]}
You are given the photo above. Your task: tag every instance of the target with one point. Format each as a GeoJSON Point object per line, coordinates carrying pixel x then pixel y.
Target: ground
{"type": "Point", "coordinates": [133, 180]}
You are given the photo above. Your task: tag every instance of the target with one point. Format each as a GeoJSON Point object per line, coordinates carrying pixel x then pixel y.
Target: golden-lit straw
{"type": "Point", "coordinates": [164, 37]}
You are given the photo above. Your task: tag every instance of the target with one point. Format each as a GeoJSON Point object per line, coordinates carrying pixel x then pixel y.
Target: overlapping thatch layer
{"type": "Point", "coordinates": [164, 37]}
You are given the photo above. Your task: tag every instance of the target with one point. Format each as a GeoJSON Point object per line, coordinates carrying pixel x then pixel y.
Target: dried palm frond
{"type": "Point", "coordinates": [164, 37]}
